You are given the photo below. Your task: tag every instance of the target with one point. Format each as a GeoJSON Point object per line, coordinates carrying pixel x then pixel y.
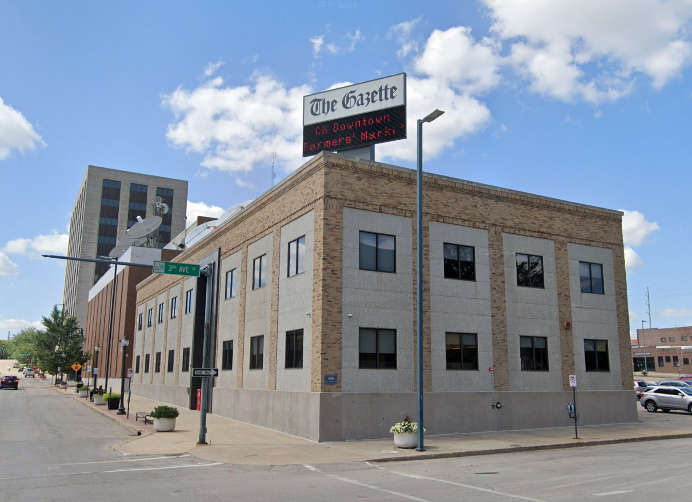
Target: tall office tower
{"type": "Point", "coordinates": [107, 204]}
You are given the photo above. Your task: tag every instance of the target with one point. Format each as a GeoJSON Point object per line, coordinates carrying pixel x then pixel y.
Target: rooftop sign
{"type": "Point", "coordinates": [355, 116]}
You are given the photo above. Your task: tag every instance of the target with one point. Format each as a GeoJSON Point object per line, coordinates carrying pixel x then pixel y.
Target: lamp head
{"type": "Point", "coordinates": [125, 342]}
{"type": "Point", "coordinates": [97, 348]}
{"type": "Point", "coordinates": [432, 116]}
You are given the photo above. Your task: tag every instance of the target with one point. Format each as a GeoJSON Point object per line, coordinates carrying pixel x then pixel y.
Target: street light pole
{"type": "Point", "coordinates": [110, 322]}
{"type": "Point", "coordinates": [646, 365]}
{"type": "Point", "coordinates": [62, 365]}
{"type": "Point", "coordinates": [419, 270]}
{"type": "Point", "coordinates": [124, 343]}
{"type": "Point", "coordinates": [97, 348]}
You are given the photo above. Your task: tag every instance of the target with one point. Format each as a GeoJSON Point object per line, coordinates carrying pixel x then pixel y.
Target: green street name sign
{"type": "Point", "coordinates": [172, 268]}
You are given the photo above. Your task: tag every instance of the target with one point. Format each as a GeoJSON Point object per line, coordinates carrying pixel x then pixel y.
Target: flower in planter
{"type": "Point", "coordinates": [405, 426]}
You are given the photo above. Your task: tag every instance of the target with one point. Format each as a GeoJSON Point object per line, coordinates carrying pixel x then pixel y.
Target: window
{"type": "Point", "coordinates": [294, 349]}
{"type": "Point", "coordinates": [150, 315]}
{"type": "Point", "coordinates": [660, 361]}
{"type": "Point", "coordinates": [459, 262]}
{"type": "Point", "coordinates": [667, 359]}
{"type": "Point", "coordinates": [462, 351]}
{"type": "Point", "coordinates": [186, 359]}
{"type": "Point", "coordinates": [161, 313]}
{"type": "Point", "coordinates": [676, 361]}
{"type": "Point", "coordinates": [157, 363]}
{"type": "Point", "coordinates": [685, 360]}
{"type": "Point", "coordinates": [296, 256]}
{"type": "Point", "coordinates": [137, 364]}
{"type": "Point", "coordinates": [377, 252]}
{"type": "Point", "coordinates": [171, 360]}
{"type": "Point", "coordinates": [377, 348]}
{"type": "Point", "coordinates": [139, 321]}
{"type": "Point", "coordinates": [188, 301]}
{"type": "Point", "coordinates": [591, 277]}
{"type": "Point", "coordinates": [227, 357]}
{"type": "Point", "coordinates": [596, 355]}
{"type": "Point", "coordinates": [257, 352]}
{"type": "Point", "coordinates": [671, 338]}
{"type": "Point", "coordinates": [146, 363]}
{"type": "Point", "coordinates": [259, 272]}
{"type": "Point", "coordinates": [663, 339]}
{"type": "Point", "coordinates": [529, 270]}
{"type": "Point", "coordinates": [684, 338]}
{"type": "Point", "coordinates": [533, 351]}
{"type": "Point", "coordinates": [174, 307]}
{"type": "Point", "coordinates": [230, 284]}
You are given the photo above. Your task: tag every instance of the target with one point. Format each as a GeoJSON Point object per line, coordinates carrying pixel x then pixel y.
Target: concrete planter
{"type": "Point", "coordinates": [164, 424]}
{"type": "Point", "coordinates": [83, 393]}
{"type": "Point", "coordinates": [406, 440]}
{"type": "Point", "coordinates": [63, 385]}
{"type": "Point", "coordinates": [98, 400]}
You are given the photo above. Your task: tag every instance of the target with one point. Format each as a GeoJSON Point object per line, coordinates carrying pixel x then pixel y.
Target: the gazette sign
{"type": "Point", "coordinates": [355, 116]}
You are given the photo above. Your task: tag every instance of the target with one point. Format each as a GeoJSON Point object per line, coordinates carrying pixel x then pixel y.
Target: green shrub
{"type": "Point", "coordinates": [111, 395]}
{"type": "Point", "coordinates": [164, 412]}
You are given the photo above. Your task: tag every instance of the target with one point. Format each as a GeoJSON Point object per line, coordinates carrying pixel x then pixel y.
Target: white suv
{"type": "Point", "coordinates": [667, 398]}
{"type": "Point", "coordinates": [29, 373]}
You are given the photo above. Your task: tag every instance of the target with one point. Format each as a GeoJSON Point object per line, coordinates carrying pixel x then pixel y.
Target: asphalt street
{"type": "Point", "coordinates": [55, 449]}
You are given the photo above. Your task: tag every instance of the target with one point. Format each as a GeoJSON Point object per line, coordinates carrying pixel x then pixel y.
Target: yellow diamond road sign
{"type": "Point", "coordinates": [76, 366]}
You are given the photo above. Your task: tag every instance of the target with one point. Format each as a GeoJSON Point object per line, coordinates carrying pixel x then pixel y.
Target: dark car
{"type": "Point", "coordinates": [9, 381]}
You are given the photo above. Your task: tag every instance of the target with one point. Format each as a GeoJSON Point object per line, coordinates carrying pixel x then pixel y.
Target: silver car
{"type": "Point", "coordinates": [667, 398]}
{"type": "Point", "coordinates": [674, 383]}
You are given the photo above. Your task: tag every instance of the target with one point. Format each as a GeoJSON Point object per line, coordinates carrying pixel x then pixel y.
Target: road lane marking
{"type": "Point", "coordinates": [165, 467]}
{"type": "Point", "coordinates": [620, 492]}
{"type": "Point", "coordinates": [462, 485]}
{"type": "Point", "coordinates": [123, 460]}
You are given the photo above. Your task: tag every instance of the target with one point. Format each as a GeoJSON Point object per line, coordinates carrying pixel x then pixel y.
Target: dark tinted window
{"type": "Point", "coordinates": [529, 271]}
{"type": "Point", "coordinates": [377, 348]}
{"type": "Point", "coordinates": [459, 262]}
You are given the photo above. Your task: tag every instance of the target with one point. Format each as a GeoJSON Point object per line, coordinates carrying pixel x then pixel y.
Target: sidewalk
{"type": "Point", "coordinates": [236, 442]}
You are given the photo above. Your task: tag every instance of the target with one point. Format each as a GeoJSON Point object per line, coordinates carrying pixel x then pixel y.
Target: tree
{"type": "Point", "coordinates": [22, 345]}
{"type": "Point", "coordinates": [61, 336]}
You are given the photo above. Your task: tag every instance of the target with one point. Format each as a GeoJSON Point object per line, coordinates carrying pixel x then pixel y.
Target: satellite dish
{"type": "Point", "coordinates": [119, 249]}
{"type": "Point", "coordinates": [164, 208]}
{"type": "Point", "coordinates": [199, 232]}
{"type": "Point", "coordinates": [230, 213]}
{"type": "Point", "coordinates": [144, 227]}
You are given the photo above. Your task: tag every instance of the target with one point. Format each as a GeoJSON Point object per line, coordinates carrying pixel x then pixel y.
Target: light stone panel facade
{"type": "Point", "coordinates": [594, 316]}
{"type": "Point", "coordinates": [295, 305]}
{"type": "Point", "coordinates": [229, 309]}
{"type": "Point", "coordinates": [374, 299]}
{"type": "Point", "coordinates": [257, 314]}
{"type": "Point", "coordinates": [460, 306]}
{"type": "Point", "coordinates": [172, 331]}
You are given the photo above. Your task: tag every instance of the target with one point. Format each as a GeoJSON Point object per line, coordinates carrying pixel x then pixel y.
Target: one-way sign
{"type": "Point", "coordinates": [205, 372]}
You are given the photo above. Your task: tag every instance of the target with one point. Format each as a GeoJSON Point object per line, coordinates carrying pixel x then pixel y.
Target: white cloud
{"type": "Point", "coordinates": [7, 266]}
{"type": "Point", "coordinates": [342, 45]}
{"type": "Point", "coordinates": [54, 243]}
{"type": "Point", "coordinates": [317, 43]}
{"type": "Point", "coordinates": [593, 50]}
{"type": "Point", "coordinates": [15, 132]}
{"type": "Point", "coordinates": [635, 228]}
{"type": "Point", "coordinates": [16, 325]}
{"type": "Point", "coordinates": [195, 209]}
{"type": "Point", "coordinates": [632, 259]}
{"type": "Point", "coordinates": [676, 313]}
{"type": "Point", "coordinates": [403, 34]}
{"type": "Point", "coordinates": [455, 58]}
{"type": "Point", "coordinates": [211, 68]}
{"type": "Point", "coordinates": [244, 184]}
{"type": "Point", "coordinates": [236, 127]}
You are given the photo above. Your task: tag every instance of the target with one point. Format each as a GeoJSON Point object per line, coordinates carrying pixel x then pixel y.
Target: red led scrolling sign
{"type": "Point", "coordinates": [356, 131]}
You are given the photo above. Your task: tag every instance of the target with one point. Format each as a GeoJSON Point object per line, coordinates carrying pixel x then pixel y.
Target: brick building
{"type": "Point", "coordinates": [665, 350]}
{"type": "Point", "coordinates": [314, 308]}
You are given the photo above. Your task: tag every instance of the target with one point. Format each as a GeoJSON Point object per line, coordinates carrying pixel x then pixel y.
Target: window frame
{"type": "Point", "coordinates": [188, 300]}
{"type": "Point", "coordinates": [590, 289]}
{"type": "Point", "coordinates": [150, 317]}
{"type": "Point", "coordinates": [185, 367]}
{"type": "Point", "coordinates": [161, 312]}
{"type": "Point", "coordinates": [230, 284]}
{"type": "Point", "coordinates": [299, 257]}
{"type": "Point", "coordinates": [449, 365]}
{"type": "Point", "coordinates": [459, 262]}
{"type": "Point", "coordinates": [531, 274]}
{"type": "Point", "coordinates": [257, 352]}
{"type": "Point", "coordinates": [291, 358]}
{"type": "Point", "coordinates": [140, 321]}
{"type": "Point", "coordinates": [227, 356]}
{"type": "Point", "coordinates": [147, 361]}
{"type": "Point", "coordinates": [174, 307]}
{"type": "Point", "coordinates": [170, 366]}
{"type": "Point", "coordinates": [157, 363]}
{"type": "Point", "coordinates": [377, 252]}
{"type": "Point", "coordinates": [534, 359]}
{"type": "Point", "coordinates": [259, 280]}
{"type": "Point", "coordinates": [593, 365]}
{"type": "Point", "coordinates": [380, 363]}
{"type": "Point", "coordinates": [137, 361]}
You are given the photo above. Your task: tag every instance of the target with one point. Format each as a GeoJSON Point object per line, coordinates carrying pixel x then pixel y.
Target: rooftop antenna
{"type": "Point", "coordinates": [273, 172]}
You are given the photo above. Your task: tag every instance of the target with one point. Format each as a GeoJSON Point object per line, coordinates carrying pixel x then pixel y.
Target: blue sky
{"type": "Point", "coordinates": [576, 100]}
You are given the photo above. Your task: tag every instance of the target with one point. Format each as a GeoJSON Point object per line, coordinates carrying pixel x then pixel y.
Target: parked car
{"type": "Point", "coordinates": [674, 383]}
{"type": "Point", "coordinates": [667, 398]}
{"type": "Point", "coordinates": [9, 382]}
{"type": "Point", "coordinates": [29, 373]}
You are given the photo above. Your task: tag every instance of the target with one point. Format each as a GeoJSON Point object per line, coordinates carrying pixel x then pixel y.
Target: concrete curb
{"type": "Point", "coordinates": [516, 449]}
